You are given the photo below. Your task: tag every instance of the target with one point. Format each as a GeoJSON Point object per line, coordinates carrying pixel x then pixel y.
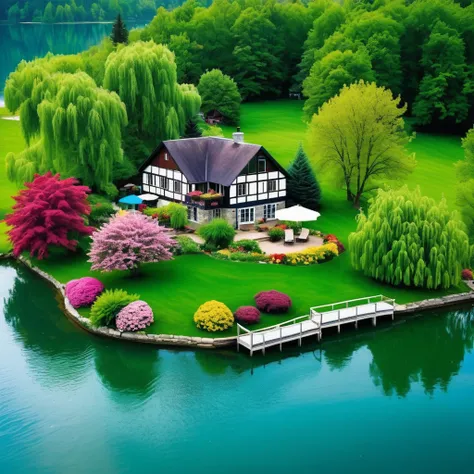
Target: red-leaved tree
{"type": "Point", "coordinates": [127, 241]}
{"type": "Point", "coordinates": [49, 212]}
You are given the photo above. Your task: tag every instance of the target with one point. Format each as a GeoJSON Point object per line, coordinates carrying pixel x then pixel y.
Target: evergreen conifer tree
{"type": "Point", "coordinates": [192, 130]}
{"type": "Point", "coordinates": [119, 31]}
{"type": "Point", "coordinates": [303, 187]}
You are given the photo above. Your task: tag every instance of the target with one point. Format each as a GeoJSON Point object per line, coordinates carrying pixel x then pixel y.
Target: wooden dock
{"type": "Point", "coordinates": [319, 318]}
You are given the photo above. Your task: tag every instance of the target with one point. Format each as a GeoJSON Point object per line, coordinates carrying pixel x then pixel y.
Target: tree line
{"type": "Point", "coordinates": [50, 11]}
{"type": "Point", "coordinates": [422, 50]}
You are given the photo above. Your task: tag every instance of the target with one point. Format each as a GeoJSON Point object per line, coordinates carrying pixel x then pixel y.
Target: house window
{"type": "Point", "coordinates": [269, 211]}
{"type": "Point", "coordinates": [166, 156]}
{"type": "Point", "coordinates": [242, 189]}
{"type": "Point", "coordinates": [146, 178]}
{"type": "Point", "coordinates": [252, 167]}
{"type": "Point", "coordinates": [272, 185]}
{"type": "Point", "coordinates": [177, 186]}
{"type": "Point", "coordinates": [262, 165]}
{"type": "Point", "coordinates": [216, 213]}
{"type": "Point", "coordinates": [247, 215]}
{"type": "Point", "coordinates": [164, 182]}
{"type": "Point", "coordinates": [192, 214]}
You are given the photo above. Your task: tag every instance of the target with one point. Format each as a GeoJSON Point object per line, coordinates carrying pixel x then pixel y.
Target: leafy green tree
{"type": "Point", "coordinates": [465, 188]}
{"type": "Point", "coordinates": [119, 31]}
{"type": "Point", "coordinates": [14, 13]}
{"type": "Point", "coordinates": [334, 71]}
{"type": "Point", "coordinates": [443, 91]}
{"type": "Point", "coordinates": [219, 92]}
{"type": "Point", "coordinates": [325, 24]}
{"type": "Point", "coordinates": [48, 14]}
{"type": "Point", "coordinates": [144, 76]}
{"type": "Point", "coordinates": [409, 239]}
{"type": "Point", "coordinates": [80, 133]}
{"type": "Point", "coordinates": [359, 138]}
{"type": "Point", "coordinates": [303, 187]}
{"type": "Point", "coordinates": [187, 54]}
{"type": "Point", "coordinates": [59, 17]}
{"type": "Point", "coordinates": [257, 67]}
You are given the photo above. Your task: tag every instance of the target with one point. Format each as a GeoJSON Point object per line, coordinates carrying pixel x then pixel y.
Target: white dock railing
{"type": "Point", "coordinates": [320, 317]}
{"type": "Point", "coordinates": [253, 341]}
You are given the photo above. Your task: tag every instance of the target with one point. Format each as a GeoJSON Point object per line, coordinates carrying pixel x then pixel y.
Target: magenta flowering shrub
{"type": "Point", "coordinates": [84, 291]}
{"type": "Point", "coordinates": [247, 314]}
{"type": "Point", "coordinates": [272, 301]}
{"type": "Point", "coordinates": [135, 316]}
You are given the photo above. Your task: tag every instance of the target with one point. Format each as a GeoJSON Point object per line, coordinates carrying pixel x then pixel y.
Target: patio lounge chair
{"type": "Point", "coordinates": [289, 236]}
{"type": "Point", "coordinates": [304, 235]}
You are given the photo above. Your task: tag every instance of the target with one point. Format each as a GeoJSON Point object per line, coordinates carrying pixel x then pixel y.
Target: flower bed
{"type": "Point", "coordinates": [272, 301]}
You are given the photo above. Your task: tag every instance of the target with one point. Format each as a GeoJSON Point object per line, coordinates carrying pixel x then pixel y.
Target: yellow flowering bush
{"type": "Point", "coordinates": [312, 254]}
{"type": "Point", "coordinates": [213, 316]}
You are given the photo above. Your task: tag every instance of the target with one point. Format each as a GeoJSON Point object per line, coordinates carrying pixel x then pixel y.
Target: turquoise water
{"type": "Point", "coordinates": [396, 399]}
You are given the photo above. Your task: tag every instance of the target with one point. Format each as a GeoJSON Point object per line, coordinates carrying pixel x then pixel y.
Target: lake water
{"type": "Point", "coordinates": [28, 41]}
{"type": "Point", "coordinates": [399, 398]}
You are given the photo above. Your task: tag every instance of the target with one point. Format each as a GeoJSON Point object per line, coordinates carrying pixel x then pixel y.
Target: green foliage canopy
{"type": "Point", "coordinates": [144, 76]}
{"type": "Point", "coordinates": [219, 92]}
{"type": "Point", "coordinates": [465, 189]}
{"type": "Point", "coordinates": [409, 239]}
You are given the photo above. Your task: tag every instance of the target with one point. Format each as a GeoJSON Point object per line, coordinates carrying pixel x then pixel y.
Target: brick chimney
{"type": "Point", "coordinates": [238, 136]}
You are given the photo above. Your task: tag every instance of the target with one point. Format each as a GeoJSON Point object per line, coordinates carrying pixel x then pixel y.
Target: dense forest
{"type": "Point", "coordinates": [422, 50]}
{"type": "Point", "coordinates": [59, 11]}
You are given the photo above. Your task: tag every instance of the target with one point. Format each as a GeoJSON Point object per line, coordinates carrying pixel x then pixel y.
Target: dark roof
{"type": "Point", "coordinates": [213, 159]}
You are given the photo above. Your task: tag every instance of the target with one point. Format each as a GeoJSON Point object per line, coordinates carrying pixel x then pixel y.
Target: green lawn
{"type": "Point", "coordinates": [11, 139]}
{"type": "Point", "coordinates": [175, 289]}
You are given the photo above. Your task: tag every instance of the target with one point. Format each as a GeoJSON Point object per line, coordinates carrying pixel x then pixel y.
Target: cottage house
{"type": "Point", "coordinates": [216, 177]}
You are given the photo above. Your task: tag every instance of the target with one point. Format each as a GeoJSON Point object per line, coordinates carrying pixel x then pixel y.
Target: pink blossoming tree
{"type": "Point", "coordinates": [127, 241]}
{"type": "Point", "coordinates": [49, 212]}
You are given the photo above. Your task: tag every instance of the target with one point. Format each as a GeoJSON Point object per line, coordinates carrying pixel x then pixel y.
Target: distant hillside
{"type": "Point", "coordinates": [52, 11]}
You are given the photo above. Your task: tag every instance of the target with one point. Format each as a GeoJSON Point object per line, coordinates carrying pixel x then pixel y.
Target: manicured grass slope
{"type": "Point", "coordinates": [175, 289]}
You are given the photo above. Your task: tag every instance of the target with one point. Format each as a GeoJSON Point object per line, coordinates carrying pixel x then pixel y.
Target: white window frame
{"type": "Point", "coordinates": [216, 213]}
{"type": "Point", "coordinates": [164, 182]}
{"type": "Point", "coordinates": [270, 188]}
{"type": "Point", "coordinates": [269, 215]}
{"type": "Point", "coordinates": [243, 187]}
{"type": "Point", "coordinates": [166, 157]}
{"type": "Point", "coordinates": [177, 186]}
{"type": "Point", "coordinates": [191, 212]}
{"type": "Point", "coordinates": [264, 165]}
{"type": "Point", "coordinates": [251, 215]}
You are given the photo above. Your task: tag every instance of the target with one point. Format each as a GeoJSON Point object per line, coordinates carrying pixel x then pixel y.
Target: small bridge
{"type": "Point", "coordinates": [319, 318]}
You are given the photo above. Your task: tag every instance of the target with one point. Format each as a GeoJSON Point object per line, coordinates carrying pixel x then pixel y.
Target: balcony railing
{"type": "Point", "coordinates": [205, 204]}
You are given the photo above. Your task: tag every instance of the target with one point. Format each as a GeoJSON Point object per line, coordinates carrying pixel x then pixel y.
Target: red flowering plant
{"type": "Point", "coordinates": [142, 207]}
{"type": "Point", "coordinates": [277, 258]}
{"type": "Point", "coordinates": [272, 301]}
{"type": "Point", "coordinates": [195, 195]}
{"type": "Point", "coordinates": [332, 238]}
{"type": "Point", "coordinates": [466, 274]}
{"type": "Point", "coordinates": [282, 226]}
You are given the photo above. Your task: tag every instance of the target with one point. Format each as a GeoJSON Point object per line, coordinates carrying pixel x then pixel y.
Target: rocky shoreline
{"type": "Point", "coordinates": [207, 342]}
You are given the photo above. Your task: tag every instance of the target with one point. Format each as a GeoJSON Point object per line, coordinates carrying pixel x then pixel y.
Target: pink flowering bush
{"type": "Point", "coordinates": [127, 241]}
{"type": "Point", "coordinates": [135, 316]}
{"type": "Point", "coordinates": [272, 301]}
{"type": "Point", "coordinates": [247, 314]}
{"type": "Point", "coordinates": [84, 291]}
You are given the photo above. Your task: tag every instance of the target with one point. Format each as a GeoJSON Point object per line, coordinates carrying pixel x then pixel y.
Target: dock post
{"type": "Point", "coordinates": [238, 334]}
{"type": "Point", "coordinates": [281, 343]}
{"type": "Point", "coordinates": [374, 321]}
{"type": "Point", "coordinates": [338, 320]}
{"type": "Point", "coordinates": [301, 325]}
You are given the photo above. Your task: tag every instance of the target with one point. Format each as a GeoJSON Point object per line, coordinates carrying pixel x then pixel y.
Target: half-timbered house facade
{"type": "Point", "coordinates": [248, 180]}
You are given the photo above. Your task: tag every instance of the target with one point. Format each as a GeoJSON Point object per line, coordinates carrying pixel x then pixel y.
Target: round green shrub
{"type": "Point", "coordinates": [275, 234]}
{"type": "Point", "coordinates": [108, 305]}
{"type": "Point", "coordinates": [218, 233]}
{"type": "Point", "coordinates": [186, 245]}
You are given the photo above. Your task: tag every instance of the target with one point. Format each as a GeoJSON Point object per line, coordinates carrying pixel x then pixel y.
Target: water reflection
{"type": "Point", "coordinates": [127, 368]}
{"type": "Point", "coordinates": [428, 350]}
{"type": "Point", "coordinates": [56, 350]}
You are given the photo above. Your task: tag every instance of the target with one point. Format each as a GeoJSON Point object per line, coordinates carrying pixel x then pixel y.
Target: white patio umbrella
{"type": "Point", "coordinates": [296, 214]}
{"type": "Point", "coordinates": [148, 197]}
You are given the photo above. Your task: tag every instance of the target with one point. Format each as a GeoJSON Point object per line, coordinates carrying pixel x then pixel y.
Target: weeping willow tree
{"type": "Point", "coordinates": [408, 239]}
{"type": "Point", "coordinates": [78, 129]}
{"type": "Point", "coordinates": [144, 76]}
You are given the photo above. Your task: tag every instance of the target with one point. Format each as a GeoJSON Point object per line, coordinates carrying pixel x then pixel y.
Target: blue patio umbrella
{"type": "Point", "coordinates": [131, 200]}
